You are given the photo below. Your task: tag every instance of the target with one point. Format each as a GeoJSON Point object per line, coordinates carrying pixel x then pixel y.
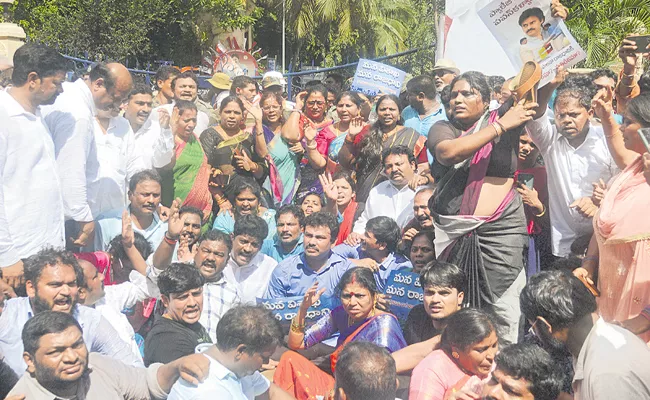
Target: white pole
{"type": "Point", "coordinates": [284, 2]}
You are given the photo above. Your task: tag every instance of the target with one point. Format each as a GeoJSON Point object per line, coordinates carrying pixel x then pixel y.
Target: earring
{"type": "Point", "coordinates": [455, 355]}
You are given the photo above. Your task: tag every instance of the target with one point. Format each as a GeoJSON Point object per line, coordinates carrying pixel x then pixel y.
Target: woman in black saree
{"type": "Point", "coordinates": [478, 216]}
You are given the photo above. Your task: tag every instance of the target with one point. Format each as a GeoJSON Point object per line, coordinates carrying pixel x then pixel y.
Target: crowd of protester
{"type": "Point", "coordinates": [140, 230]}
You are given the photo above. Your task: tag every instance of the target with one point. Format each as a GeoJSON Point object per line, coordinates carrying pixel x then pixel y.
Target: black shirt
{"type": "Point", "coordinates": [418, 326]}
{"type": "Point", "coordinates": [170, 340]}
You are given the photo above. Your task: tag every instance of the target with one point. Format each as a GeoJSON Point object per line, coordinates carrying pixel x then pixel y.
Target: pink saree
{"type": "Point", "coordinates": [623, 232]}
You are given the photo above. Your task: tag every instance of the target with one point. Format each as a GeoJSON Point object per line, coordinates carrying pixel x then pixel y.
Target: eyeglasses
{"type": "Point", "coordinates": [315, 103]}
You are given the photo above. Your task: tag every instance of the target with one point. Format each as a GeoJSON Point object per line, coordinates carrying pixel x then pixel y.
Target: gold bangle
{"type": "Point", "coordinates": [312, 147]}
{"type": "Point", "coordinates": [503, 129]}
{"type": "Point", "coordinates": [297, 328]}
{"type": "Point", "coordinates": [542, 213]}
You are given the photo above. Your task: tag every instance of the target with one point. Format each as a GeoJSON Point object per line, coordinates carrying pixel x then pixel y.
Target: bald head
{"type": "Point", "coordinates": [110, 85]}
{"type": "Point", "coordinates": [421, 210]}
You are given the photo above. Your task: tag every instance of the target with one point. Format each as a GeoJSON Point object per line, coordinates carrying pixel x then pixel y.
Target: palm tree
{"type": "Point", "coordinates": [600, 26]}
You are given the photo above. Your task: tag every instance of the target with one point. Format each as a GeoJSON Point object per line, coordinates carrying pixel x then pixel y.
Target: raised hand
{"type": "Point", "coordinates": [627, 53]}
{"type": "Point", "coordinates": [409, 235]}
{"type": "Point", "coordinates": [560, 75]}
{"type": "Point", "coordinates": [558, 10]}
{"type": "Point", "coordinates": [253, 110]}
{"type": "Point", "coordinates": [311, 296]}
{"type": "Point", "coordinates": [164, 118]}
{"type": "Point", "coordinates": [300, 100]}
{"type": "Point", "coordinates": [602, 103]}
{"type": "Point", "coordinates": [518, 115]}
{"type": "Point", "coordinates": [244, 162]}
{"type": "Point", "coordinates": [356, 126]}
{"type": "Point", "coordinates": [184, 253]}
{"type": "Point", "coordinates": [329, 188]}
{"type": "Point", "coordinates": [128, 237]}
{"type": "Point", "coordinates": [175, 222]}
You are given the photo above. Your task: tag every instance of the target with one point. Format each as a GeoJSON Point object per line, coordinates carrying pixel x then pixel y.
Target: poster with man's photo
{"type": "Point", "coordinates": [527, 32]}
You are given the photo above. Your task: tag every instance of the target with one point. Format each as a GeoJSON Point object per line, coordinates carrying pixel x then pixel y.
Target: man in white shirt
{"type": "Point", "coordinates": [210, 254]}
{"type": "Point", "coordinates": [249, 269]}
{"type": "Point", "coordinates": [31, 203]}
{"type": "Point", "coordinates": [155, 138]}
{"type": "Point", "coordinates": [392, 198]}
{"type": "Point", "coordinates": [138, 106]}
{"type": "Point", "coordinates": [248, 336]}
{"type": "Point", "coordinates": [576, 155]}
{"type": "Point", "coordinates": [609, 361]}
{"type": "Point", "coordinates": [118, 157]}
{"type": "Point", "coordinates": [111, 301]}
{"type": "Point", "coordinates": [52, 283]}
{"type": "Point", "coordinates": [71, 123]}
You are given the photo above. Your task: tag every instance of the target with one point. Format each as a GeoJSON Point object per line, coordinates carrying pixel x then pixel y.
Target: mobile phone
{"type": "Point", "coordinates": [593, 289]}
{"type": "Point", "coordinates": [526, 179]}
{"type": "Point", "coordinates": [641, 42]}
{"type": "Point", "coordinates": [644, 133]}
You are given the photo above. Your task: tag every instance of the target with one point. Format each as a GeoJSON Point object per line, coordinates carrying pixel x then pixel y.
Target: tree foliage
{"type": "Point", "coordinates": [600, 26]}
{"type": "Point", "coordinates": [146, 30]}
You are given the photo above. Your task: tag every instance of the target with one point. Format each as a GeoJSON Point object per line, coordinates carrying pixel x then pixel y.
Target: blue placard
{"type": "Point", "coordinates": [286, 308]}
{"type": "Point", "coordinates": [373, 77]}
{"type": "Point", "coordinates": [405, 293]}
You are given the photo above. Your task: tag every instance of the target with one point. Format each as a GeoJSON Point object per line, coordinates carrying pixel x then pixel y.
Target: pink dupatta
{"type": "Point", "coordinates": [623, 232]}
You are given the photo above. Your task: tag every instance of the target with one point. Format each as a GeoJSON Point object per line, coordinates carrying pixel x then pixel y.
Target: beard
{"type": "Point", "coordinates": [39, 305]}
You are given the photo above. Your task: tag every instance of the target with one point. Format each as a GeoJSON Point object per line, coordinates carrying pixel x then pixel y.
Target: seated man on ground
{"type": "Point", "coordinates": [392, 198]}
{"type": "Point", "coordinates": [523, 371]}
{"type": "Point", "coordinates": [610, 362]}
{"type": "Point", "coordinates": [318, 263]}
{"type": "Point", "coordinates": [53, 278]}
{"type": "Point", "coordinates": [177, 332]}
{"type": "Point", "coordinates": [287, 241]}
{"type": "Point", "coordinates": [422, 219]}
{"type": "Point", "coordinates": [248, 269]}
{"type": "Point", "coordinates": [60, 366]}
{"type": "Point", "coordinates": [248, 336]}
{"type": "Point", "coordinates": [210, 258]}
{"type": "Point", "coordinates": [443, 285]}
{"type": "Point", "coordinates": [144, 206]}
{"type": "Point", "coordinates": [365, 371]}
{"type": "Point", "coordinates": [377, 250]}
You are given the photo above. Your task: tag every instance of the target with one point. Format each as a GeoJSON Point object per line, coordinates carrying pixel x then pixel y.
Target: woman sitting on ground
{"type": "Point", "coordinates": [468, 346]}
{"type": "Point", "coordinates": [246, 196]}
{"type": "Point", "coordinates": [357, 318]}
{"type": "Point", "coordinates": [310, 203]}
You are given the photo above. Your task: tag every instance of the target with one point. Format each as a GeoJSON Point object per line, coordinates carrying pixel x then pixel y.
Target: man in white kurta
{"type": "Point", "coordinates": [31, 206]}
{"type": "Point", "coordinates": [71, 123]}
